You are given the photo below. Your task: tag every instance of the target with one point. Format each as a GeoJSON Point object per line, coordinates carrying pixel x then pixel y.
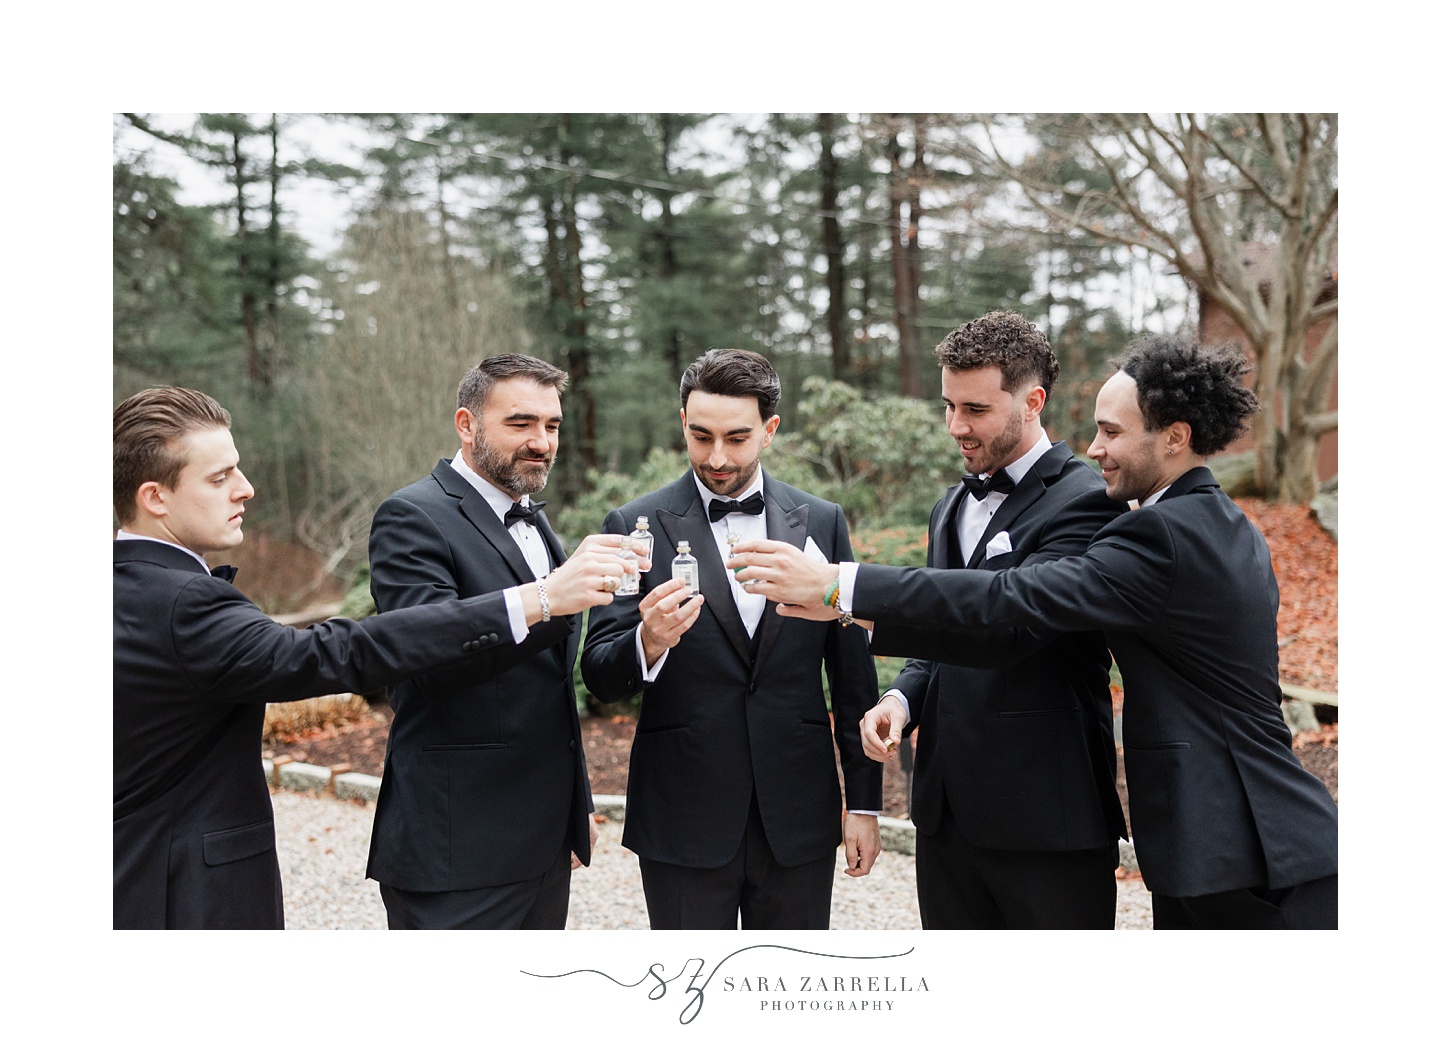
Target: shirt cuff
{"type": "Point", "coordinates": [850, 812]}
{"type": "Point", "coordinates": [515, 605]}
{"type": "Point", "coordinates": [845, 584]}
{"type": "Point", "coordinates": [648, 674]}
{"type": "Point", "coordinates": [901, 699]}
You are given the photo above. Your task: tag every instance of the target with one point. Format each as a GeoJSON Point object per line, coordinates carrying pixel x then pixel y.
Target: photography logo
{"type": "Point", "coordinates": [856, 983]}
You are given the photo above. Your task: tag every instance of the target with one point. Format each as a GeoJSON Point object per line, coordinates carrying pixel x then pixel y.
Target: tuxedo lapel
{"type": "Point", "coordinates": [551, 541]}
{"type": "Point", "coordinates": [1024, 495]}
{"type": "Point", "coordinates": [483, 518]}
{"type": "Point", "coordinates": [944, 534]}
{"type": "Point", "coordinates": [685, 519]}
{"type": "Point", "coordinates": [787, 523]}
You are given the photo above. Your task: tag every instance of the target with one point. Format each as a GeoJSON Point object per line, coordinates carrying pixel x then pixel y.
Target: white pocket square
{"type": "Point", "coordinates": [999, 544]}
{"type": "Point", "coordinates": [812, 551]}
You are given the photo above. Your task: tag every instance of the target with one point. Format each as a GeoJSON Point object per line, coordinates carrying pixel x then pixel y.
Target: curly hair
{"type": "Point", "coordinates": [1202, 385]}
{"type": "Point", "coordinates": [1006, 340]}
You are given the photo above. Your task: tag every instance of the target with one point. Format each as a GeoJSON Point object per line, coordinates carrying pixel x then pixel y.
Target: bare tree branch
{"type": "Point", "coordinates": [1319, 424]}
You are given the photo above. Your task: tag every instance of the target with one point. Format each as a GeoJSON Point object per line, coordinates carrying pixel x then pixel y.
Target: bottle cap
{"type": "Point", "coordinates": [642, 522]}
{"type": "Point", "coordinates": [683, 546]}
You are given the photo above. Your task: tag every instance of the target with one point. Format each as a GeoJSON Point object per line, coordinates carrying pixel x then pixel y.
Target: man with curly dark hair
{"type": "Point", "coordinates": [1014, 794]}
{"type": "Point", "coordinates": [1229, 829]}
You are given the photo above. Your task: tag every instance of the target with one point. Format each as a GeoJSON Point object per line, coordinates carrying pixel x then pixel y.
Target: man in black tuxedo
{"type": "Point", "coordinates": [1017, 813]}
{"type": "Point", "coordinates": [485, 804]}
{"type": "Point", "coordinates": [1230, 830]}
{"type": "Point", "coordinates": [195, 663]}
{"type": "Point", "coordinates": [734, 804]}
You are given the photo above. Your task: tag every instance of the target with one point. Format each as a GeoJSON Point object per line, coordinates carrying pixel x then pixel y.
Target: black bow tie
{"type": "Point", "coordinates": [226, 572]}
{"type": "Point", "coordinates": [753, 504]}
{"type": "Point", "coordinates": [999, 482]}
{"type": "Point", "coordinates": [518, 512]}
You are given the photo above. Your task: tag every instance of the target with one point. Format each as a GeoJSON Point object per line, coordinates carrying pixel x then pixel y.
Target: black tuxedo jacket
{"type": "Point", "coordinates": [727, 717]}
{"type": "Point", "coordinates": [484, 777]}
{"type": "Point", "coordinates": [1015, 724]}
{"type": "Point", "coordinates": [195, 664]}
{"type": "Point", "coordinates": [1185, 592]}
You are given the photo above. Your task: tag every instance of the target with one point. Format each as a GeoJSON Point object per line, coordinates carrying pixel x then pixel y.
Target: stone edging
{"type": "Point", "coordinates": [898, 835]}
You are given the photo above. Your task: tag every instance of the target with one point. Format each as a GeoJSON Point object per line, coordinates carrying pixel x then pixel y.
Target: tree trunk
{"type": "Point", "coordinates": [832, 247]}
{"type": "Point", "coordinates": [255, 372]}
{"type": "Point", "coordinates": [274, 259]}
{"type": "Point", "coordinates": [904, 305]}
{"type": "Point", "coordinates": [576, 319]}
{"type": "Point", "coordinates": [280, 489]}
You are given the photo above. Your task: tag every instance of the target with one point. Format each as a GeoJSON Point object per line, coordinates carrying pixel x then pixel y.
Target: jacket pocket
{"type": "Point", "coordinates": [1039, 713]}
{"type": "Point", "coordinates": [451, 747]}
{"type": "Point", "coordinates": [662, 728]}
{"type": "Point", "coordinates": [233, 845]}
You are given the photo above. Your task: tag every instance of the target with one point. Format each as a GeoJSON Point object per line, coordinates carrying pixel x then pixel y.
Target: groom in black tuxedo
{"type": "Point", "coordinates": [734, 805]}
{"type": "Point", "coordinates": [195, 663]}
{"type": "Point", "coordinates": [1014, 800]}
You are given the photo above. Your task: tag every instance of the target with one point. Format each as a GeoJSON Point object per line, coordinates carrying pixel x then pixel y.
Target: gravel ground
{"type": "Point", "coordinates": [322, 844]}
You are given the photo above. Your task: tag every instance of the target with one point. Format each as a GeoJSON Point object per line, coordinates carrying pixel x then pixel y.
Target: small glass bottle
{"type": "Point", "coordinates": [644, 542]}
{"type": "Point", "coordinates": [630, 581]}
{"type": "Point", "coordinates": [686, 567]}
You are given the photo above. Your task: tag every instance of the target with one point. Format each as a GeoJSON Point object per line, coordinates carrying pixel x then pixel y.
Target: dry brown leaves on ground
{"type": "Point", "coordinates": [1307, 567]}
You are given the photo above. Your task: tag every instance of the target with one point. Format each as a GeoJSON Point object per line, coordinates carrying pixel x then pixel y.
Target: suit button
{"type": "Point", "coordinates": [573, 745]}
{"type": "Point", "coordinates": [751, 687]}
{"type": "Point", "coordinates": [466, 646]}
{"type": "Point", "coordinates": [493, 639]}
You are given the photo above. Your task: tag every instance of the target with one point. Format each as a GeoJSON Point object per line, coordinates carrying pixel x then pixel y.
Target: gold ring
{"type": "Point", "coordinates": [610, 584]}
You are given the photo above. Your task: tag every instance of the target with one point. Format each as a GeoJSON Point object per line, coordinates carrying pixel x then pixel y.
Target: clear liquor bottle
{"type": "Point", "coordinates": [686, 567]}
{"type": "Point", "coordinates": [644, 541]}
{"type": "Point", "coordinates": [630, 581]}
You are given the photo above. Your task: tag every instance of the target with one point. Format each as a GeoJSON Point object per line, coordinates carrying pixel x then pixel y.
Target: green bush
{"type": "Point", "coordinates": [358, 601]}
{"type": "Point", "coordinates": [885, 459]}
{"type": "Point", "coordinates": [610, 489]}
{"type": "Point", "coordinates": [895, 546]}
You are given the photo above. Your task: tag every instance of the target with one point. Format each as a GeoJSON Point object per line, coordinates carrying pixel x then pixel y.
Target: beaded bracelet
{"type": "Point", "coordinates": [832, 593]}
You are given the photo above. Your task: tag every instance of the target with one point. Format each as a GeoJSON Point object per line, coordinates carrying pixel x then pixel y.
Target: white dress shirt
{"type": "Point", "coordinates": [531, 544]}
{"type": "Point", "coordinates": [749, 527]}
{"type": "Point", "coordinates": [751, 606]}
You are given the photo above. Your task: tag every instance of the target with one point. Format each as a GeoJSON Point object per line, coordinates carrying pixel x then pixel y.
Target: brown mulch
{"type": "Point", "coordinates": [1306, 564]}
{"type": "Point", "coordinates": [1307, 568]}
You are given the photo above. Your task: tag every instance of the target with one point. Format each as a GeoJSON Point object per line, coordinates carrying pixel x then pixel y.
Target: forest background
{"type": "Point", "coordinates": [337, 274]}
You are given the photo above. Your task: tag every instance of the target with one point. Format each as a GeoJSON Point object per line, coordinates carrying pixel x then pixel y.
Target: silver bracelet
{"type": "Point", "coordinates": [543, 602]}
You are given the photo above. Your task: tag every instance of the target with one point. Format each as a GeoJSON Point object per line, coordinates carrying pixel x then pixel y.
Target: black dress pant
{"type": "Point", "coordinates": [752, 888]}
{"type": "Point", "coordinates": [962, 887]}
{"type": "Point", "coordinates": [539, 904]}
{"type": "Point", "coordinates": [1311, 906]}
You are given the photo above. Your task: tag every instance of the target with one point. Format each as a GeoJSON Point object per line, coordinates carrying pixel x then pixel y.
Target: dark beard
{"type": "Point", "coordinates": [738, 481]}
{"type": "Point", "coordinates": [505, 473]}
